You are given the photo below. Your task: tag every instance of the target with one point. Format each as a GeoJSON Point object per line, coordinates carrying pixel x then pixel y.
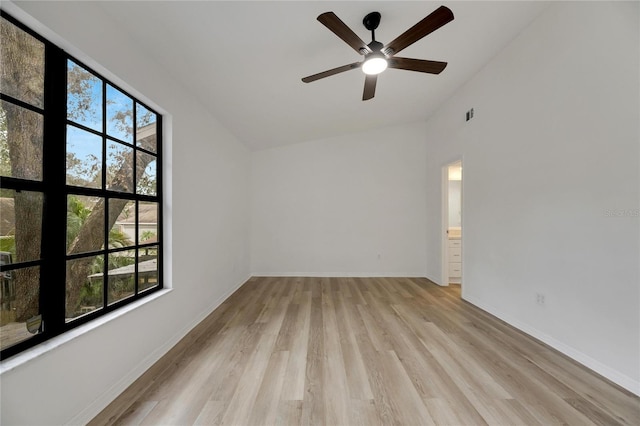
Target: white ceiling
{"type": "Point", "coordinates": [244, 60]}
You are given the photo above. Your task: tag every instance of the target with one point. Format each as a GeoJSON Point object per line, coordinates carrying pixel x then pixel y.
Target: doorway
{"type": "Point", "coordinates": [452, 237]}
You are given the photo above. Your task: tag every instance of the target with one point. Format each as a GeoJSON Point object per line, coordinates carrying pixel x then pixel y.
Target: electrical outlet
{"type": "Point", "coordinates": [540, 298]}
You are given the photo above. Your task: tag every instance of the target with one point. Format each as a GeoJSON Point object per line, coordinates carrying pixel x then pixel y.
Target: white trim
{"type": "Point", "coordinates": [434, 281]}
{"type": "Point", "coordinates": [612, 374]}
{"type": "Point", "coordinates": [340, 274]}
{"type": "Point", "coordinates": [100, 403]}
{"type": "Point", "coordinates": [444, 236]}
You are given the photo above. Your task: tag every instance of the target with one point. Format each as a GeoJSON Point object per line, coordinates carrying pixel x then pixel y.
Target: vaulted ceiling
{"type": "Point", "coordinates": [244, 60]}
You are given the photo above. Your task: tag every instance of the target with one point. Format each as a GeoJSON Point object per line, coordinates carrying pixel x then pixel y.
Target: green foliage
{"type": "Point", "coordinates": [8, 243]}
{"type": "Point", "coordinates": [91, 293]}
{"type": "Point", "coordinates": [77, 214]}
{"type": "Point", "coordinates": [147, 235]}
{"type": "Point", "coordinates": [119, 239]}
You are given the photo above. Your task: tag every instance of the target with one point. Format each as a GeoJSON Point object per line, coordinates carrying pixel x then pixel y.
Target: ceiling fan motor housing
{"type": "Point", "coordinates": [375, 46]}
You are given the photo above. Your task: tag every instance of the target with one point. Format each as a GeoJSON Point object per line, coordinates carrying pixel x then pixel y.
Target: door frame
{"type": "Point", "coordinates": [445, 219]}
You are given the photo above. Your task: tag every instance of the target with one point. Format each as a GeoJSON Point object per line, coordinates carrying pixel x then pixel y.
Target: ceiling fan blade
{"type": "Point", "coordinates": [339, 28]}
{"type": "Point", "coordinates": [435, 20]}
{"type": "Point", "coordinates": [369, 87]}
{"type": "Point", "coordinates": [419, 65]}
{"type": "Point", "coordinates": [331, 72]}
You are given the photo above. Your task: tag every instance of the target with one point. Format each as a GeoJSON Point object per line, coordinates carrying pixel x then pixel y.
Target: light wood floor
{"type": "Point", "coordinates": [354, 351]}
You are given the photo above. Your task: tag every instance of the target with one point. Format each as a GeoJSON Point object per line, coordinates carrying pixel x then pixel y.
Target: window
{"type": "Point", "coordinates": [80, 193]}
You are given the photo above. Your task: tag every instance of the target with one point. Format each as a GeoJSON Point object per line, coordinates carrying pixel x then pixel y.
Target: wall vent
{"type": "Point", "coordinates": [469, 114]}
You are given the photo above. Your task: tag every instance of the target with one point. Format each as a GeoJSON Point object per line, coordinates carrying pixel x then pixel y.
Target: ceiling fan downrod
{"type": "Point", "coordinates": [371, 22]}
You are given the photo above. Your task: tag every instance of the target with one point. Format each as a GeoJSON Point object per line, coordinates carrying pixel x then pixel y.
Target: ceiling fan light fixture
{"type": "Point", "coordinates": [374, 64]}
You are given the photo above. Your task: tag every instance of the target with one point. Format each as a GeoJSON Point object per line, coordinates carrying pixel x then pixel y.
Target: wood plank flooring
{"type": "Point", "coordinates": [364, 351]}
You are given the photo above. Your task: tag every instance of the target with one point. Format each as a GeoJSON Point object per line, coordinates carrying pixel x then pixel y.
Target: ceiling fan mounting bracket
{"type": "Point", "coordinates": [371, 21]}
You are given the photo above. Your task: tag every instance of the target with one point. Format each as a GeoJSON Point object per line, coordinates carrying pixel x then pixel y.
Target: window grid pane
{"type": "Point", "coordinates": [146, 169]}
{"type": "Point", "coordinates": [147, 268]}
{"type": "Point", "coordinates": [122, 213]}
{"type": "Point", "coordinates": [20, 308]}
{"type": "Point", "coordinates": [22, 59]}
{"type": "Point", "coordinates": [21, 226]}
{"type": "Point", "coordinates": [84, 97]}
{"type": "Point", "coordinates": [84, 287]}
{"type": "Point", "coordinates": [85, 223]}
{"type": "Point", "coordinates": [119, 115]}
{"type": "Point", "coordinates": [119, 167]}
{"type": "Point", "coordinates": [84, 158]}
{"type": "Point", "coordinates": [20, 142]}
{"type": "Point", "coordinates": [121, 275]}
{"type": "Point", "coordinates": [146, 128]}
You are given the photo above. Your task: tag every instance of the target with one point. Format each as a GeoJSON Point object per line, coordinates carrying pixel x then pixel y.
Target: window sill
{"type": "Point", "coordinates": [43, 348]}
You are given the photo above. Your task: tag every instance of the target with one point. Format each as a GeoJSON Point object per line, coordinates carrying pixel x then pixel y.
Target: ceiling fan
{"type": "Point", "coordinates": [377, 57]}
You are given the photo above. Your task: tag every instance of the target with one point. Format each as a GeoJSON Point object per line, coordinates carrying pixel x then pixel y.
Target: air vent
{"type": "Point", "coordinates": [470, 114]}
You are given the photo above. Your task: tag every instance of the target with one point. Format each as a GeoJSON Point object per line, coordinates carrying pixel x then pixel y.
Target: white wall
{"type": "Point", "coordinates": [552, 152]}
{"type": "Point", "coordinates": [206, 216]}
{"type": "Point", "coordinates": [350, 205]}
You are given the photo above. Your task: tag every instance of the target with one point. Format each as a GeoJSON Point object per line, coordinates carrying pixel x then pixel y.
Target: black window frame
{"type": "Point", "coordinates": [54, 187]}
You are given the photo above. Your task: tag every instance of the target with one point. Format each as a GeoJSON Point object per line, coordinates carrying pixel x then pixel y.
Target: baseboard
{"type": "Point", "coordinates": [339, 274]}
{"type": "Point", "coordinates": [609, 373]}
{"type": "Point", "coordinates": [93, 409]}
{"type": "Point", "coordinates": [437, 282]}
